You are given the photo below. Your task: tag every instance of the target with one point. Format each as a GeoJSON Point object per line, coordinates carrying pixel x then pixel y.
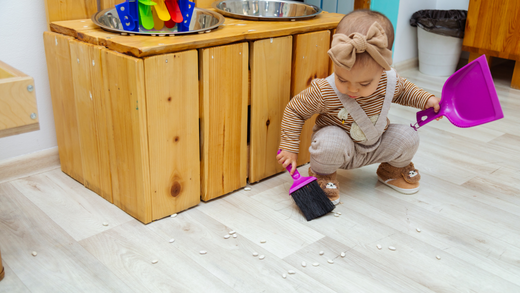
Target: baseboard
{"type": "Point", "coordinates": [406, 64]}
{"type": "Point", "coordinates": [30, 164]}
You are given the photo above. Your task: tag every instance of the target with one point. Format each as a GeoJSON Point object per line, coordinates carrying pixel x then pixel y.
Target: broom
{"type": "Point", "coordinates": [308, 196]}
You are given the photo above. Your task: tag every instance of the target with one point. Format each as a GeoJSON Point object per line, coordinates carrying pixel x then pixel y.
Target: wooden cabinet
{"type": "Point", "coordinates": [223, 118]}
{"type": "Point", "coordinates": [155, 124]}
{"type": "Point", "coordinates": [18, 111]}
{"type": "Point", "coordinates": [493, 28]}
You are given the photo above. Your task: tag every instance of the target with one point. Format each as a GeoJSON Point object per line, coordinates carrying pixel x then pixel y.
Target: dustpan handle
{"type": "Point", "coordinates": [425, 116]}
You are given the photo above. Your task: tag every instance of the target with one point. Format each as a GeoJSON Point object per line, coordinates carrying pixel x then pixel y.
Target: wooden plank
{"type": "Point", "coordinates": [234, 30]}
{"type": "Point", "coordinates": [493, 25]}
{"type": "Point", "coordinates": [173, 131]}
{"type": "Point", "coordinates": [270, 93]}
{"type": "Point", "coordinates": [58, 10]}
{"type": "Point", "coordinates": [91, 113]}
{"type": "Point", "coordinates": [30, 164]}
{"type": "Point", "coordinates": [81, 213]}
{"type": "Point", "coordinates": [19, 130]}
{"type": "Point", "coordinates": [130, 258]}
{"type": "Point", "coordinates": [123, 78]}
{"type": "Point", "coordinates": [230, 260]}
{"type": "Point", "coordinates": [63, 104]}
{"type": "Point", "coordinates": [515, 80]}
{"type": "Point", "coordinates": [223, 113]}
{"type": "Point", "coordinates": [61, 264]}
{"type": "Point", "coordinates": [17, 103]}
{"type": "Point", "coordinates": [310, 61]}
{"type": "Point", "coordinates": [473, 56]}
{"type": "Point", "coordinates": [11, 283]}
{"type": "Point", "coordinates": [361, 4]}
{"type": "Point", "coordinates": [203, 3]}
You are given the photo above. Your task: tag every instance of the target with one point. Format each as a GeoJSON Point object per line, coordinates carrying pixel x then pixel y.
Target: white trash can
{"type": "Point", "coordinates": [438, 55]}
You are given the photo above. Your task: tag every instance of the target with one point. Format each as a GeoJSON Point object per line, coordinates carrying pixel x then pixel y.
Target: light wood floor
{"type": "Point", "coordinates": [468, 211]}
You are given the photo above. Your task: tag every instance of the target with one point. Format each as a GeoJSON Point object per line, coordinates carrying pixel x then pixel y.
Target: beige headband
{"type": "Point", "coordinates": [344, 48]}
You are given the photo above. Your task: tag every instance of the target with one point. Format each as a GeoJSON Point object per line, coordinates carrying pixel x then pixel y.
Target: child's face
{"type": "Point", "coordinates": [360, 81]}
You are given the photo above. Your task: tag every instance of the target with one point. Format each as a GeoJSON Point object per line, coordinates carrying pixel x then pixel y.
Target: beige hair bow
{"type": "Point", "coordinates": [344, 48]}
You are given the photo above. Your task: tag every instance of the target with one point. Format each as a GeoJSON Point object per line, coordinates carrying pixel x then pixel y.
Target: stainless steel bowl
{"type": "Point", "coordinates": [266, 9]}
{"type": "Point", "coordinates": [202, 21]}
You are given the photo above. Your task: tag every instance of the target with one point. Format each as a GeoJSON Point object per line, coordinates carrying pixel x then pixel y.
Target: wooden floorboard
{"type": "Point", "coordinates": [468, 211]}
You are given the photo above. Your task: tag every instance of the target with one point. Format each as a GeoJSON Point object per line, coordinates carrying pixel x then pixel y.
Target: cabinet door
{"type": "Point", "coordinates": [270, 93]}
{"type": "Point", "coordinates": [57, 52]}
{"type": "Point", "coordinates": [87, 76]}
{"type": "Point", "coordinates": [123, 81]}
{"type": "Point", "coordinates": [172, 96]}
{"type": "Point", "coordinates": [223, 119]}
{"type": "Point", "coordinates": [310, 61]}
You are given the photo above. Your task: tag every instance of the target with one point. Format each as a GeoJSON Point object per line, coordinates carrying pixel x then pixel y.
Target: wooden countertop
{"type": "Point", "coordinates": [233, 30]}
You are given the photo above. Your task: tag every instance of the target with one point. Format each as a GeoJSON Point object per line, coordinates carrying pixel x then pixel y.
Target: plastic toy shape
{"type": "Point", "coordinates": [129, 15]}
{"type": "Point", "coordinates": [187, 8]}
{"type": "Point", "coordinates": [158, 23]}
{"type": "Point", "coordinates": [162, 10]}
{"type": "Point", "coordinates": [469, 98]}
{"type": "Point", "coordinates": [175, 11]}
{"type": "Point", "coordinates": [145, 14]}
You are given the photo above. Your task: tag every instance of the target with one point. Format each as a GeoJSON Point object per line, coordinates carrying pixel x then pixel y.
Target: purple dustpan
{"type": "Point", "coordinates": [469, 98]}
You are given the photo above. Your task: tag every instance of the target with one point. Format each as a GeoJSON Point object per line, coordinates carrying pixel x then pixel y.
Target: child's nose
{"type": "Point", "coordinates": [352, 89]}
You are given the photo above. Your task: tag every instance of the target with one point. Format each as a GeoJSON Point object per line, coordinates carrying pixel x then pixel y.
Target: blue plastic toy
{"type": "Point", "coordinates": [187, 8]}
{"type": "Point", "coordinates": [129, 15]}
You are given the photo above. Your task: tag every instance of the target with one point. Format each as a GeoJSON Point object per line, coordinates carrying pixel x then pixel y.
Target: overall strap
{"type": "Point", "coordinates": [372, 132]}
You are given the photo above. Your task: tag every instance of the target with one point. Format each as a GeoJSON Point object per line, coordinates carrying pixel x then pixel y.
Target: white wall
{"type": "Point", "coordinates": [452, 4]}
{"type": "Point", "coordinates": [22, 24]}
{"type": "Point", "coordinates": [405, 47]}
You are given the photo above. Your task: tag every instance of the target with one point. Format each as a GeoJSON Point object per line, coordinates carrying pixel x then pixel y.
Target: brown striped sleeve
{"type": "Point", "coordinates": [299, 109]}
{"type": "Point", "coordinates": [408, 94]}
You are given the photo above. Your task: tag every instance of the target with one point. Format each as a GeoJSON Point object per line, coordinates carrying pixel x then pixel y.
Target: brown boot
{"type": "Point", "coordinates": [404, 180]}
{"type": "Point", "coordinates": [329, 184]}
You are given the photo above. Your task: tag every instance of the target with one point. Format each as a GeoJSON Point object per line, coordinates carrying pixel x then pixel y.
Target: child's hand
{"type": "Point", "coordinates": [287, 158]}
{"type": "Point", "coordinates": [433, 102]}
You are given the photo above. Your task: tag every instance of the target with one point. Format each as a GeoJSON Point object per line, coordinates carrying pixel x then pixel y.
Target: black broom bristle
{"type": "Point", "coordinates": [312, 201]}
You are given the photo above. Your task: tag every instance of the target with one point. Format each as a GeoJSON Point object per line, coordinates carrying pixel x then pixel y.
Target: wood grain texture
{"type": "Point", "coordinates": [310, 61]}
{"type": "Point", "coordinates": [234, 30]}
{"type": "Point", "coordinates": [131, 259]}
{"type": "Point", "coordinates": [11, 283]}
{"type": "Point", "coordinates": [173, 131]}
{"type": "Point", "coordinates": [270, 93]}
{"type": "Point", "coordinates": [223, 114]}
{"type": "Point", "coordinates": [127, 134]}
{"type": "Point", "coordinates": [89, 92]}
{"type": "Point", "coordinates": [473, 56]}
{"type": "Point", "coordinates": [493, 25]}
{"type": "Point", "coordinates": [231, 259]}
{"type": "Point", "coordinates": [17, 103]}
{"type": "Point", "coordinates": [58, 10]}
{"type": "Point", "coordinates": [203, 3]}
{"type": "Point", "coordinates": [361, 4]}
{"type": "Point", "coordinates": [78, 211]}
{"type": "Point", "coordinates": [34, 163]}
{"type": "Point", "coordinates": [57, 53]}
{"type": "Point", "coordinates": [515, 80]}
{"type": "Point", "coordinates": [493, 28]}
{"type": "Point", "coordinates": [61, 264]}
{"type": "Point", "coordinates": [19, 129]}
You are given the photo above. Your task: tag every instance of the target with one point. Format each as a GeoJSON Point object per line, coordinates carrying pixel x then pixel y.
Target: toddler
{"type": "Point", "coordinates": [352, 129]}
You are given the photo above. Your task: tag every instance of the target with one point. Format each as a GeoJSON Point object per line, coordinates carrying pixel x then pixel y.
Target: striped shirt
{"type": "Point", "coordinates": [321, 99]}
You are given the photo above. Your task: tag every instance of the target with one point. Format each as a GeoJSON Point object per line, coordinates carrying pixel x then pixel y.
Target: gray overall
{"type": "Point", "coordinates": [332, 148]}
